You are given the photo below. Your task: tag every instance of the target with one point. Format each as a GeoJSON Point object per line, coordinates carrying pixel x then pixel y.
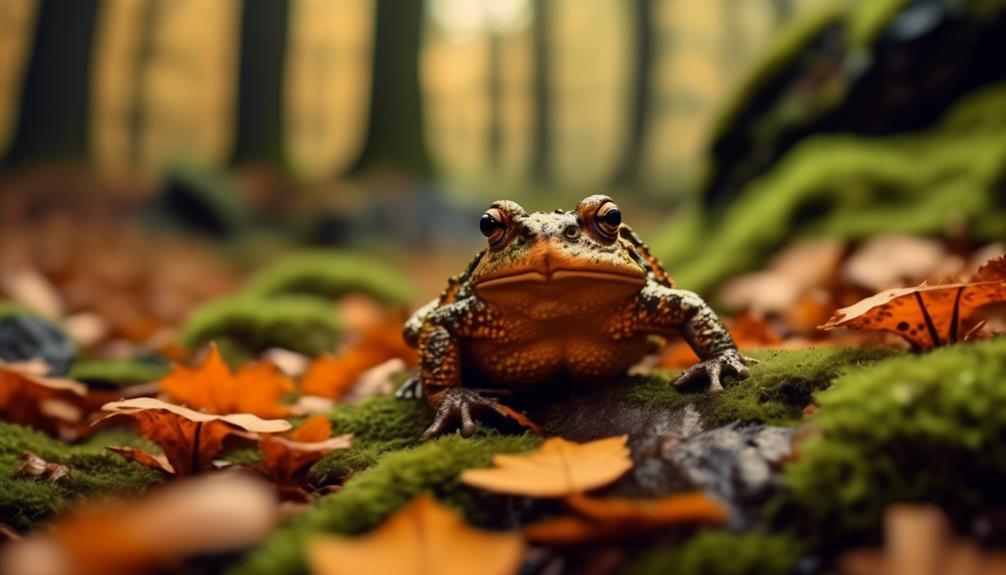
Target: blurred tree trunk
{"type": "Point", "coordinates": [264, 26]}
{"type": "Point", "coordinates": [542, 94]}
{"type": "Point", "coordinates": [640, 103]}
{"type": "Point", "coordinates": [395, 126]}
{"type": "Point", "coordinates": [52, 121]}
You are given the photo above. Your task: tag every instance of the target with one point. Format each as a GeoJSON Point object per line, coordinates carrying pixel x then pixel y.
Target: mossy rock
{"type": "Point", "coordinates": [331, 275]}
{"type": "Point", "coordinates": [852, 187]}
{"type": "Point", "coordinates": [780, 386]}
{"type": "Point", "coordinates": [252, 324]}
{"type": "Point", "coordinates": [201, 199]}
{"type": "Point", "coordinates": [907, 429]}
{"type": "Point", "coordinates": [867, 68]}
{"type": "Point", "coordinates": [93, 471]}
{"type": "Point", "coordinates": [114, 373]}
{"type": "Point", "coordinates": [724, 553]}
{"type": "Point", "coordinates": [376, 493]}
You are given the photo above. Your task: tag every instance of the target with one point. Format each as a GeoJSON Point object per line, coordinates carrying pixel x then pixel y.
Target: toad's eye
{"type": "Point", "coordinates": [609, 217]}
{"type": "Point", "coordinates": [492, 225]}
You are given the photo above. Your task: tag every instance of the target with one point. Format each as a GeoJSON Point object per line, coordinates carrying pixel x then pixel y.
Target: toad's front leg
{"type": "Point", "coordinates": [440, 366]}
{"type": "Point", "coordinates": [660, 309]}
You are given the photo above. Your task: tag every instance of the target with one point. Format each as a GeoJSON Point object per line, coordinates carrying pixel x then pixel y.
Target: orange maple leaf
{"type": "Point", "coordinates": [333, 376]}
{"type": "Point", "coordinates": [28, 397]}
{"type": "Point", "coordinates": [617, 519]}
{"type": "Point", "coordinates": [287, 459]}
{"type": "Point", "coordinates": [256, 388]}
{"type": "Point", "coordinates": [927, 316]}
{"type": "Point", "coordinates": [424, 537]}
{"type": "Point", "coordinates": [556, 469]}
{"type": "Point", "coordinates": [190, 439]}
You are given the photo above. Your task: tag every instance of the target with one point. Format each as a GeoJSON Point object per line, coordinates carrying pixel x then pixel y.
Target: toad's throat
{"type": "Point", "coordinates": [559, 276]}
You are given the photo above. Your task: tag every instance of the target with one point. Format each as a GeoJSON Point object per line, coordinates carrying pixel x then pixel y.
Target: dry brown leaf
{"type": "Point", "coordinates": [556, 469]}
{"type": "Point", "coordinates": [256, 388]}
{"type": "Point", "coordinates": [213, 514]}
{"type": "Point", "coordinates": [596, 520]}
{"type": "Point", "coordinates": [287, 459]}
{"type": "Point", "coordinates": [33, 466]}
{"type": "Point", "coordinates": [927, 316]}
{"type": "Point", "coordinates": [190, 439]}
{"type": "Point", "coordinates": [334, 376]}
{"type": "Point", "coordinates": [422, 538]}
{"type": "Point", "coordinates": [27, 396]}
{"type": "Point", "coordinates": [154, 461]}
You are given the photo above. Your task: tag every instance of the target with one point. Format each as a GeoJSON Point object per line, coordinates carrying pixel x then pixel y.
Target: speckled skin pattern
{"type": "Point", "coordinates": [556, 297]}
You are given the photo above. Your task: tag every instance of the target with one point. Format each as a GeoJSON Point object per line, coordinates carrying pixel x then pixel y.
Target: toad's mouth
{"type": "Point", "coordinates": [561, 275]}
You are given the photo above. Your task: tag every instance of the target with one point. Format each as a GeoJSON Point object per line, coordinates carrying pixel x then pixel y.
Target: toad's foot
{"type": "Point", "coordinates": [459, 404]}
{"type": "Point", "coordinates": [727, 363]}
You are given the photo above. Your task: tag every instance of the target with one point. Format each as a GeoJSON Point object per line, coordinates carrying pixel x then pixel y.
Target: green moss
{"type": "Point", "coordinates": [331, 275]}
{"type": "Point", "coordinates": [372, 495]}
{"type": "Point", "coordinates": [10, 308]}
{"type": "Point", "coordinates": [299, 323]}
{"type": "Point", "coordinates": [909, 428]}
{"type": "Point", "coordinates": [779, 388]}
{"type": "Point", "coordinates": [724, 553]}
{"type": "Point", "coordinates": [868, 19]}
{"type": "Point", "coordinates": [25, 502]}
{"type": "Point", "coordinates": [850, 187]}
{"type": "Point", "coordinates": [117, 372]}
{"type": "Point", "coordinates": [378, 425]}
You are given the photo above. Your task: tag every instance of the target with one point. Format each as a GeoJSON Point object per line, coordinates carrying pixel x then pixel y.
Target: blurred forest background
{"type": "Point", "coordinates": [724, 127]}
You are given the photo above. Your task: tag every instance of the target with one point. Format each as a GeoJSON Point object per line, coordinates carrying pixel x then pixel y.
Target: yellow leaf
{"type": "Point", "coordinates": [558, 468]}
{"type": "Point", "coordinates": [422, 538]}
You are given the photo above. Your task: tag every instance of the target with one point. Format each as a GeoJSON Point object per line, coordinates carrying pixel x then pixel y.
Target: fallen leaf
{"type": "Point", "coordinates": [927, 316]}
{"type": "Point", "coordinates": [154, 461]}
{"type": "Point", "coordinates": [556, 469]}
{"type": "Point", "coordinates": [256, 388]}
{"type": "Point", "coordinates": [287, 459]}
{"type": "Point", "coordinates": [27, 396]}
{"type": "Point", "coordinates": [190, 439]}
{"type": "Point", "coordinates": [422, 538]}
{"type": "Point", "coordinates": [334, 376]}
{"type": "Point", "coordinates": [213, 514]}
{"type": "Point", "coordinates": [919, 541]}
{"type": "Point", "coordinates": [886, 262]}
{"type": "Point", "coordinates": [596, 520]}
{"type": "Point", "coordinates": [33, 466]}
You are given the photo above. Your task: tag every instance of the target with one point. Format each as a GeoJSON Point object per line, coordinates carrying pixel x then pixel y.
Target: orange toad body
{"type": "Point", "coordinates": [561, 296]}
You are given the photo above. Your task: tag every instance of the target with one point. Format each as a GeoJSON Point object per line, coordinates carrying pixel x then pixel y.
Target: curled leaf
{"type": "Point", "coordinates": [29, 397]}
{"type": "Point", "coordinates": [190, 439]}
{"type": "Point", "coordinates": [422, 538]}
{"type": "Point", "coordinates": [556, 469]}
{"type": "Point", "coordinates": [33, 466]}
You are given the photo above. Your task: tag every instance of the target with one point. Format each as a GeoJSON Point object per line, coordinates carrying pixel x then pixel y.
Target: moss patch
{"type": "Point", "coordinates": [374, 494]}
{"type": "Point", "coordinates": [117, 372]}
{"type": "Point", "coordinates": [724, 553]}
{"type": "Point", "coordinates": [909, 428]}
{"type": "Point", "coordinates": [299, 323]}
{"type": "Point", "coordinates": [24, 502]}
{"type": "Point", "coordinates": [378, 425]}
{"type": "Point", "coordinates": [779, 388]}
{"type": "Point", "coordinates": [331, 275]}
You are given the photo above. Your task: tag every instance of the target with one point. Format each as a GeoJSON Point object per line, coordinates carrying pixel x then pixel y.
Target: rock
{"type": "Point", "coordinates": [24, 337]}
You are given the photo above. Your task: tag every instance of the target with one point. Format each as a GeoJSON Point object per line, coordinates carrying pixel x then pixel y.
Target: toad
{"type": "Point", "coordinates": [564, 296]}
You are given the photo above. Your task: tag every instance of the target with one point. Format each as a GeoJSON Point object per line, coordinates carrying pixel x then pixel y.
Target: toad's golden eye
{"type": "Point", "coordinates": [492, 224]}
{"type": "Point", "coordinates": [608, 218]}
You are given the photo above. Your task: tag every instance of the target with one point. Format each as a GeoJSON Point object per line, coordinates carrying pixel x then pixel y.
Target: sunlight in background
{"type": "Point", "coordinates": [164, 82]}
{"type": "Point", "coordinates": [16, 33]}
{"type": "Point", "coordinates": [327, 85]}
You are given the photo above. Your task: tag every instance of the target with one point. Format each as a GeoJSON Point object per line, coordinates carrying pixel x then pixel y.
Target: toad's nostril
{"type": "Point", "coordinates": [572, 231]}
